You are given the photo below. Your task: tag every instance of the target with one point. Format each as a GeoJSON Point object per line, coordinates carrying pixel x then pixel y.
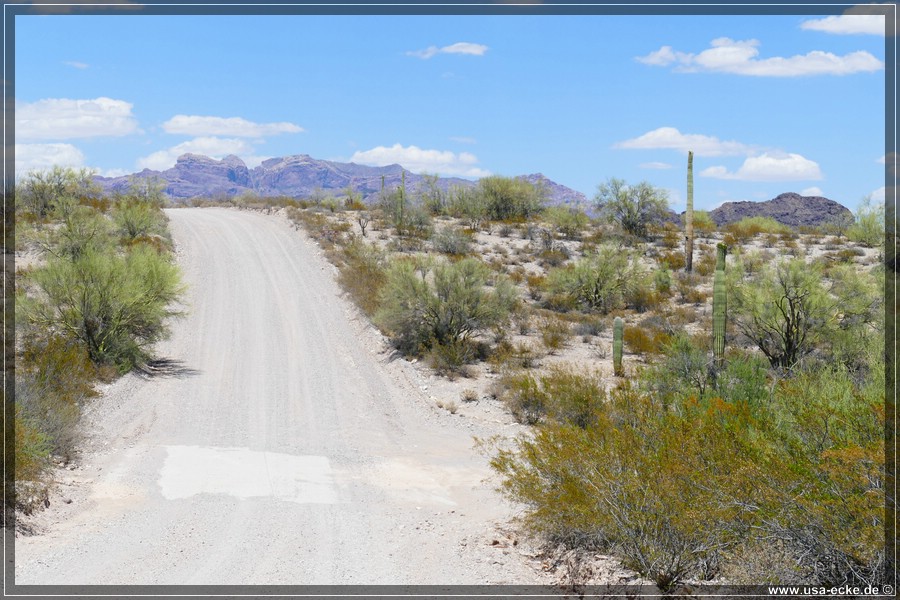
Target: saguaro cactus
{"type": "Point", "coordinates": [720, 301]}
{"type": "Point", "coordinates": [618, 327]}
{"type": "Point", "coordinates": [689, 218]}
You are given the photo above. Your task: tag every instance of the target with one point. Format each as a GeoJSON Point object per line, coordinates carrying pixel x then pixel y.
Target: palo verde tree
{"type": "Point", "coordinates": [633, 207]}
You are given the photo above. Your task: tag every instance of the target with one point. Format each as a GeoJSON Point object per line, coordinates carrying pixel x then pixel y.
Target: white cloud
{"type": "Point", "coordinates": [419, 160]}
{"type": "Point", "coordinates": [878, 195]}
{"type": "Point", "coordinates": [670, 138]}
{"type": "Point", "coordinates": [811, 191]}
{"type": "Point", "coordinates": [113, 172]}
{"type": "Point", "coordinates": [76, 64]}
{"type": "Point", "coordinates": [655, 165]}
{"type": "Point", "coordinates": [663, 57]}
{"type": "Point", "coordinates": [457, 48]}
{"type": "Point", "coordinates": [212, 147]}
{"type": "Point", "coordinates": [881, 161]}
{"type": "Point", "coordinates": [775, 166]}
{"type": "Point", "coordinates": [44, 156]}
{"type": "Point", "coordinates": [62, 119]}
{"type": "Point", "coordinates": [232, 126]}
{"type": "Point", "coordinates": [739, 57]}
{"type": "Point", "coordinates": [847, 24]}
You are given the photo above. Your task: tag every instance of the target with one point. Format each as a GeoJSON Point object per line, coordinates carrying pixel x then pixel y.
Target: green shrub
{"type": "Point", "coordinates": [749, 227]}
{"type": "Point", "coordinates": [785, 310]}
{"type": "Point", "coordinates": [453, 305]}
{"type": "Point", "coordinates": [554, 334]}
{"type": "Point", "coordinates": [698, 485]}
{"type": "Point", "coordinates": [569, 221]}
{"type": "Point", "coordinates": [135, 219]}
{"type": "Point", "coordinates": [599, 282]}
{"type": "Point", "coordinates": [562, 394]}
{"type": "Point", "coordinates": [449, 359]}
{"type": "Point", "coordinates": [511, 199]}
{"type": "Point", "coordinates": [115, 305]}
{"type": "Point", "coordinates": [362, 274]}
{"type": "Point", "coordinates": [639, 481]}
{"type": "Point", "coordinates": [589, 326]}
{"type": "Point", "coordinates": [673, 261]}
{"type": "Point", "coordinates": [868, 227]}
{"type": "Point", "coordinates": [452, 241]}
{"type": "Point", "coordinates": [640, 341]}
{"type": "Point", "coordinates": [634, 208]}
{"type": "Point", "coordinates": [513, 356]}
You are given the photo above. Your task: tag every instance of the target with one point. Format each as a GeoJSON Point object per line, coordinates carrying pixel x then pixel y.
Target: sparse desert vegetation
{"type": "Point", "coordinates": [720, 433]}
{"type": "Point", "coordinates": [722, 422]}
{"type": "Point", "coordinates": [95, 285]}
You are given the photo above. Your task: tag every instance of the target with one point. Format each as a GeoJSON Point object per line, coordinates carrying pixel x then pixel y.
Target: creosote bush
{"type": "Point", "coordinates": [691, 487]}
{"type": "Point", "coordinates": [562, 394]}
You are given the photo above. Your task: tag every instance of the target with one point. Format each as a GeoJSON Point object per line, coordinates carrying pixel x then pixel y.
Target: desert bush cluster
{"type": "Point", "coordinates": [95, 300]}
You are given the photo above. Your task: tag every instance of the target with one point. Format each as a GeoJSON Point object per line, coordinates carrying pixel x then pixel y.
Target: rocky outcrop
{"type": "Point", "coordinates": [789, 208]}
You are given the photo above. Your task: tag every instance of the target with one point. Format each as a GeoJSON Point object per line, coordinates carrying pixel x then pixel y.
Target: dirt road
{"type": "Point", "coordinates": [279, 445]}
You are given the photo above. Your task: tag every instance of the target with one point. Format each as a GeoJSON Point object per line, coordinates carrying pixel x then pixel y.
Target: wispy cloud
{"type": "Point", "coordinates": [419, 160]}
{"type": "Point", "coordinates": [44, 156]}
{"type": "Point", "coordinates": [669, 138]}
{"type": "Point", "coordinates": [213, 147]}
{"type": "Point", "coordinates": [655, 165]}
{"type": "Point", "coordinates": [76, 64]}
{"type": "Point", "coordinates": [849, 23]}
{"type": "Point", "coordinates": [230, 126]}
{"type": "Point", "coordinates": [63, 119]}
{"type": "Point", "coordinates": [457, 48]}
{"type": "Point", "coordinates": [461, 139]}
{"type": "Point", "coordinates": [741, 58]}
{"type": "Point", "coordinates": [811, 191]}
{"type": "Point", "coordinates": [769, 166]}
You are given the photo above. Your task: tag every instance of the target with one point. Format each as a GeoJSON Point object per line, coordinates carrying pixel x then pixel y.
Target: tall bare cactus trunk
{"type": "Point", "coordinates": [720, 300]}
{"type": "Point", "coordinates": [618, 329]}
{"type": "Point", "coordinates": [689, 218]}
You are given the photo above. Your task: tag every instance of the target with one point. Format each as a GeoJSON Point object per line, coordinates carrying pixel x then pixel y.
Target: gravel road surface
{"type": "Point", "coordinates": [279, 443]}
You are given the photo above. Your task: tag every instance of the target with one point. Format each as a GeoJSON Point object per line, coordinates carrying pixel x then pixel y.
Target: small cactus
{"type": "Point", "coordinates": [720, 301]}
{"type": "Point", "coordinates": [618, 327]}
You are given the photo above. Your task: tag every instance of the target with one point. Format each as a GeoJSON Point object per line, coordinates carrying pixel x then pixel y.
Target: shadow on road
{"type": "Point", "coordinates": [165, 367]}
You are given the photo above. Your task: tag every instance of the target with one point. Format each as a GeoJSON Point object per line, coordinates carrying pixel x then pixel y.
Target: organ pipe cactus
{"type": "Point", "coordinates": [618, 327]}
{"type": "Point", "coordinates": [689, 217]}
{"type": "Point", "coordinates": [720, 300]}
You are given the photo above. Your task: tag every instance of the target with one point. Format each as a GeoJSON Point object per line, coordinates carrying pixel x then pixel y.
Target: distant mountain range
{"type": "Point", "coordinates": [302, 176]}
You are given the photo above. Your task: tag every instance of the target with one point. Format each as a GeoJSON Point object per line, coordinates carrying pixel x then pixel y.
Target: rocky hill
{"type": "Point", "coordinates": [789, 208]}
{"type": "Point", "coordinates": [301, 176]}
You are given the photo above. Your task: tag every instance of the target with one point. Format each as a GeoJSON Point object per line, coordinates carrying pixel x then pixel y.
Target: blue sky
{"type": "Point", "coordinates": [768, 104]}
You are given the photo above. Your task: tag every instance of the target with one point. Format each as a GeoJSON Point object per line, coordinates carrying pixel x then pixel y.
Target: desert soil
{"type": "Point", "coordinates": [279, 442]}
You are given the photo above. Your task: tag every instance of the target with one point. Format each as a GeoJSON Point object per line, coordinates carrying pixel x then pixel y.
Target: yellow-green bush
{"type": "Point", "coordinates": [563, 394]}
{"type": "Point", "coordinates": [700, 486]}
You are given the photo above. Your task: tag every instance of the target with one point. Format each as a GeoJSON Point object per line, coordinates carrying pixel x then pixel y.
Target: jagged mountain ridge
{"type": "Point", "coordinates": [300, 176]}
